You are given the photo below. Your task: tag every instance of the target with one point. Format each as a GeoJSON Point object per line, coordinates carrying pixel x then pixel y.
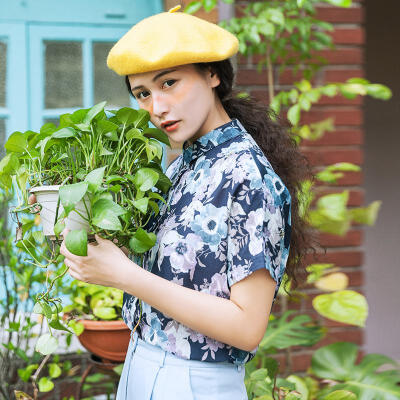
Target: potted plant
{"type": "Point", "coordinates": [98, 172]}
{"type": "Point", "coordinates": [95, 316]}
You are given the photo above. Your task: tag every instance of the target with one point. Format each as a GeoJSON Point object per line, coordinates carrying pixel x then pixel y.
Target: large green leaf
{"type": "Point", "coordinates": [104, 126]}
{"type": "Point", "coordinates": [54, 370]}
{"type": "Point", "coordinates": [345, 306]}
{"type": "Point", "coordinates": [366, 215]}
{"type": "Point", "coordinates": [93, 112]}
{"type": "Point", "coordinates": [142, 241]}
{"type": "Point", "coordinates": [299, 331]}
{"type": "Point", "coordinates": [127, 115]}
{"type": "Point", "coordinates": [46, 344]}
{"type": "Point", "coordinates": [142, 119]}
{"type": "Point", "coordinates": [142, 204]}
{"type": "Point", "coordinates": [70, 195]}
{"type": "Point", "coordinates": [106, 219]}
{"type": "Point", "coordinates": [157, 134]}
{"type": "Point", "coordinates": [95, 178]}
{"type": "Point", "coordinates": [76, 242]}
{"type": "Point", "coordinates": [145, 178]}
{"type": "Point", "coordinates": [336, 361]}
{"type": "Point", "coordinates": [45, 384]}
{"type": "Point", "coordinates": [106, 313]}
{"type": "Point", "coordinates": [16, 143]}
{"type": "Point", "coordinates": [9, 164]}
{"type": "Point", "coordinates": [64, 133]}
{"type": "Point", "coordinates": [105, 204]}
{"type": "Point", "coordinates": [341, 395]}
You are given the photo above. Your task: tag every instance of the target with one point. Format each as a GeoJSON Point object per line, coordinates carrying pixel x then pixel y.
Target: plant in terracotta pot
{"type": "Point", "coordinates": [95, 316]}
{"type": "Point", "coordinates": [98, 172]}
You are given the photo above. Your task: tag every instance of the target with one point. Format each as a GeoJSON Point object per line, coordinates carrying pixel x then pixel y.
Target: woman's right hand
{"type": "Point", "coordinates": [32, 199]}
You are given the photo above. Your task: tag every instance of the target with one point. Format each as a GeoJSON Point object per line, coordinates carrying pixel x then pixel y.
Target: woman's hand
{"type": "Point", "coordinates": [32, 200]}
{"type": "Point", "coordinates": [105, 263]}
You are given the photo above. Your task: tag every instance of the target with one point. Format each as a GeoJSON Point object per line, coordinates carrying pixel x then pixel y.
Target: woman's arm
{"type": "Point", "coordinates": [240, 321]}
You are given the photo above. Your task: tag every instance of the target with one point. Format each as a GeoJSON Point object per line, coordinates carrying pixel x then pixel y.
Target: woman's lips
{"type": "Point", "coordinates": [172, 127]}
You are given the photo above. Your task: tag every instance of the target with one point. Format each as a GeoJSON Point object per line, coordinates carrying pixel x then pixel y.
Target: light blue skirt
{"type": "Point", "coordinates": [150, 373]}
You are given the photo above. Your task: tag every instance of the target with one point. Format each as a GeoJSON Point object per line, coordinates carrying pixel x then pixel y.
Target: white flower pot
{"type": "Point", "coordinates": [47, 197]}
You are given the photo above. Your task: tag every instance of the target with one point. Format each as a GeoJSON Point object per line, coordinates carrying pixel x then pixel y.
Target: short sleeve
{"type": "Point", "coordinates": [259, 229]}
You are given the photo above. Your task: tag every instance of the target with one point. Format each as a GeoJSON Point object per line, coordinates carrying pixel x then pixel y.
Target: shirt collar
{"type": "Point", "coordinates": [211, 139]}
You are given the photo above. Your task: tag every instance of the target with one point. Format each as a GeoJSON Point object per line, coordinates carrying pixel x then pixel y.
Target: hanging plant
{"type": "Point", "coordinates": [98, 172]}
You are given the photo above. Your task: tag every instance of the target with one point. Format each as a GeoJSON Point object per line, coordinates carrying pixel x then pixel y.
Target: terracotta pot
{"type": "Point", "coordinates": [108, 340]}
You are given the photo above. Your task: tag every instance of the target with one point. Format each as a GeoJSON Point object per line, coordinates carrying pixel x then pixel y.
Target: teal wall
{"type": "Point", "coordinates": [41, 44]}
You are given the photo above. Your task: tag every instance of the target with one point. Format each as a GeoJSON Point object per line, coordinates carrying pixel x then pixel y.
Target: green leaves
{"type": "Point", "coordinates": [64, 133]}
{"type": "Point", "coordinates": [76, 242]}
{"type": "Point", "coordinates": [336, 362]}
{"type": "Point", "coordinates": [70, 195]}
{"type": "Point", "coordinates": [95, 110]}
{"type": "Point", "coordinates": [95, 178]}
{"type": "Point", "coordinates": [145, 179]}
{"type": "Point", "coordinates": [282, 333]}
{"type": "Point", "coordinates": [105, 214]}
{"type": "Point", "coordinates": [142, 241]}
{"type": "Point", "coordinates": [127, 115]}
{"type": "Point", "coordinates": [100, 302]}
{"type": "Point", "coordinates": [345, 306]}
{"type": "Point", "coordinates": [46, 344]}
{"type": "Point", "coordinates": [16, 143]}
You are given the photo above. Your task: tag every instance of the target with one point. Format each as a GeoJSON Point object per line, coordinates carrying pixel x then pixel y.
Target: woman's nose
{"type": "Point", "coordinates": [160, 105]}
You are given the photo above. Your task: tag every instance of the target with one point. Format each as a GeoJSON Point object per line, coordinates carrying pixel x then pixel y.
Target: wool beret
{"type": "Point", "coordinates": [169, 39]}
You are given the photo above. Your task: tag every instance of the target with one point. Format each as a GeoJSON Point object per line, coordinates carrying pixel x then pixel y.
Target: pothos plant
{"type": "Point", "coordinates": [105, 166]}
{"type": "Point", "coordinates": [94, 302]}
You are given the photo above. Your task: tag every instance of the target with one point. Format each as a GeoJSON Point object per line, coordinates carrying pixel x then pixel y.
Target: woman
{"type": "Point", "coordinates": [223, 239]}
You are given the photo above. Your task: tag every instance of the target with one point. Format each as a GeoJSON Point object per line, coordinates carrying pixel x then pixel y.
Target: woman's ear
{"type": "Point", "coordinates": [215, 81]}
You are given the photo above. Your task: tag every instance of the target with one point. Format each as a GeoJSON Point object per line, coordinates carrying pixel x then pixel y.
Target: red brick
{"type": "Point", "coordinates": [352, 335]}
{"type": "Point", "coordinates": [353, 237]}
{"type": "Point", "coordinates": [288, 77]}
{"type": "Point", "coordinates": [337, 137]}
{"type": "Point", "coordinates": [339, 258]}
{"type": "Point", "coordinates": [349, 116]}
{"type": "Point", "coordinates": [356, 278]}
{"type": "Point", "coordinates": [301, 361]}
{"type": "Point", "coordinates": [251, 77]}
{"type": "Point", "coordinates": [340, 56]}
{"type": "Point", "coordinates": [337, 14]}
{"type": "Point", "coordinates": [340, 100]}
{"type": "Point", "coordinates": [330, 323]}
{"type": "Point", "coordinates": [348, 35]}
{"type": "Point", "coordinates": [342, 75]}
{"type": "Point", "coordinates": [328, 156]}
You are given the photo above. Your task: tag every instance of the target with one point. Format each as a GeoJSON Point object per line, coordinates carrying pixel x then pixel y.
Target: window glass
{"type": "Point", "coordinates": [63, 72]}
{"type": "Point", "coordinates": [108, 85]}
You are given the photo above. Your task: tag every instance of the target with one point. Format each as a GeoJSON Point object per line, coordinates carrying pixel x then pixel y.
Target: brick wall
{"type": "Point", "coordinates": [344, 144]}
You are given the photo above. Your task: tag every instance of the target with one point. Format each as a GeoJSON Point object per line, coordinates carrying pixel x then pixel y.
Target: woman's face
{"type": "Point", "coordinates": [180, 94]}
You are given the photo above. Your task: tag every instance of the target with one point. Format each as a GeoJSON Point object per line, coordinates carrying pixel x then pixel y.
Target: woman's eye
{"type": "Point", "coordinates": [139, 95]}
{"type": "Point", "coordinates": [170, 80]}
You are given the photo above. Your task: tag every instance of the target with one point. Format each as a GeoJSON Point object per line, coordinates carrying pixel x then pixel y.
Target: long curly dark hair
{"type": "Point", "coordinates": [281, 150]}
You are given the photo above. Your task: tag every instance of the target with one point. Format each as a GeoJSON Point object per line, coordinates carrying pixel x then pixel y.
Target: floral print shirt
{"type": "Point", "coordinates": [227, 215]}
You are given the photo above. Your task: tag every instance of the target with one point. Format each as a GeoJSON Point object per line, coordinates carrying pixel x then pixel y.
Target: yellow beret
{"type": "Point", "coordinates": [168, 39]}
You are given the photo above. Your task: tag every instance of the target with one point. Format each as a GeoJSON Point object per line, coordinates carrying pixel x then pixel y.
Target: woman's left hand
{"type": "Point", "coordinates": [103, 264]}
